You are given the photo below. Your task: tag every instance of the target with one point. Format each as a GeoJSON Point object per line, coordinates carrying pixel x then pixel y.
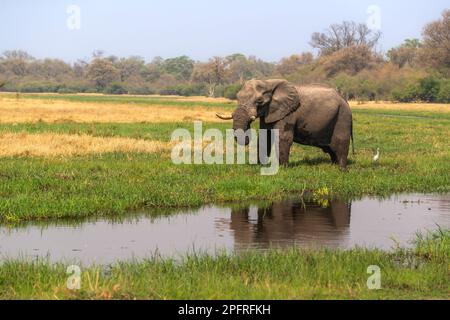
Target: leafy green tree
{"type": "Point", "coordinates": [180, 67]}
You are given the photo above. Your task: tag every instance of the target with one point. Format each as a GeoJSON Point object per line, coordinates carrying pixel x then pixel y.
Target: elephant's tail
{"type": "Point", "coordinates": [351, 135]}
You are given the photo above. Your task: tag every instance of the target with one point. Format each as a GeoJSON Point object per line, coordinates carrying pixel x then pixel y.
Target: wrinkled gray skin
{"type": "Point", "coordinates": [310, 115]}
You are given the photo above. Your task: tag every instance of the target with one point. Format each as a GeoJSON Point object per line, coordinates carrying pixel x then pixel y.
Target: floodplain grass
{"type": "Point", "coordinates": [415, 273]}
{"type": "Point", "coordinates": [55, 111]}
{"type": "Point", "coordinates": [414, 157]}
{"type": "Point", "coordinates": [128, 99]}
{"type": "Point", "coordinates": [67, 145]}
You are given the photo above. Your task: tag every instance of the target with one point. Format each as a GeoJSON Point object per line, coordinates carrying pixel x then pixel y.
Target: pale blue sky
{"type": "Point", "coordinates": [198, 28]}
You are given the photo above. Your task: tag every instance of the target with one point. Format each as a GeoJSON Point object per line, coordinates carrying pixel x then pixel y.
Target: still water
{"type": "Point", "coordinates": [369, 222]}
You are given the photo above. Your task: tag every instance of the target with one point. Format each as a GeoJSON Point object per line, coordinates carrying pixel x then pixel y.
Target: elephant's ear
{"type": "Point", "coordinates": [284, 100]}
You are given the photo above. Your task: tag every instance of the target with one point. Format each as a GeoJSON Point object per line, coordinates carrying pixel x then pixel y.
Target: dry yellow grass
{"type": "Point", "coordinates": [54, 111]}
{"type": "Point", "coordinates": [53, 145]}
{"type": "Point", "coordinates": [34, 110]}
{"type": "Point", "coordinates": [385, 105]}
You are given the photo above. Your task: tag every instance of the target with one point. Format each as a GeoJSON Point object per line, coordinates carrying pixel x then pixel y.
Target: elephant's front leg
{"type": "Point", "coordinates": [264, 142]}
{"type": "Point", "coordinates": [285, 140]}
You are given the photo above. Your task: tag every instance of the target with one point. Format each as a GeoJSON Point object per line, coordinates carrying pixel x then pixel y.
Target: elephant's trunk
{"type": "Point", "coordinates": [241, 120]}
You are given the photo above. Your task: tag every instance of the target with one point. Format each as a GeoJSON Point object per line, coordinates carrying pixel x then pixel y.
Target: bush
{"type": "Point", "coordinates": [429, 89]}
{"type": "Point", "coordinates": [444, 92]}
{"type": "Point", "coordinates": [67, 90]}
{"type": "Point", "coordinates": [344, 84]}
{"type": "Point", "coordinates": [9, 87]}
{"type": "Point", "coordinates": [141, 90]}
{"type": "Point", "coordinates": [116, 88]}
{"type": "Point", "coordinates": [219, 91]}
{"type": "Point", "coordinates": [231, 91]}
{"type": "Point", "coordinates": [408, 93]}
{"type": "Point", "coordinates": [37, 87]}
{"type": "Point", "coordinates": [185, 90]}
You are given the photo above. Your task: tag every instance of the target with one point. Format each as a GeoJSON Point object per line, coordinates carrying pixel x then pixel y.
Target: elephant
{"type": "Point", "coordinates": [291, 222]}
{"type": "Point", "coordinates": [314, 115]}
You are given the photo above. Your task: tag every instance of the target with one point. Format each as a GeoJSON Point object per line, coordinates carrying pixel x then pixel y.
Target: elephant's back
{"type": "Point", "coordinates": [319, 98]}
{"type": "Point", "coordinates": [317, 92]}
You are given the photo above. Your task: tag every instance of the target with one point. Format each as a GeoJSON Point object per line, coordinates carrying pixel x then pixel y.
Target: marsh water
{"type": "Point", "coordinates": [368, 222]}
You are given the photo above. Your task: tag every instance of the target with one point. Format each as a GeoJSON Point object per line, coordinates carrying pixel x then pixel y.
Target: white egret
{"type": "Point", "coordinates": [377, 155]}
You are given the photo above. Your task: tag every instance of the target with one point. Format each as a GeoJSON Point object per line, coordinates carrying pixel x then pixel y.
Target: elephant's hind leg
{"type": "Point", "coordinates": [340, 148]}
{"type": "Point", "coordinates": [340, 141]}
{"type": "Point", "coordinates": [331, 153]}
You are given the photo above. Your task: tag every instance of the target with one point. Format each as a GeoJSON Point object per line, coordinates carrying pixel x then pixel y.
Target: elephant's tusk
{"type": "Point", "coordinates": [218, 115]}
{"type": "Point", "coordinates": [253, 118]}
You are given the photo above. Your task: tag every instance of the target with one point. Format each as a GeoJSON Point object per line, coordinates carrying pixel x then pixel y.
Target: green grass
{"type": "Point", "coordinates": [126, 99]}
{"type": "Point", "coordinates": [402, 113]}
{"type": "Point", "coordinates": [418, 273]}
{"type": "Point", "coordinates": [415, 157]}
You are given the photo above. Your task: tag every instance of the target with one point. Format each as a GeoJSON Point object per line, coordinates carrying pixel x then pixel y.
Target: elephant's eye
{"type": "Point", "coordinates": [260, 100]}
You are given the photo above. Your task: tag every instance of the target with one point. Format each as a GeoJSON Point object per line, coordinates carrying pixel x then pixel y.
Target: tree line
{"type": "Point", "coordinates": [346, 58]}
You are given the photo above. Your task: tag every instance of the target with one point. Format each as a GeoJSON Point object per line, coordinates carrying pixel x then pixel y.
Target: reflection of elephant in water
{"type": "Point", "coordinates": [287, 222]}
{"type": "Point", "coordinates": [310, 115]}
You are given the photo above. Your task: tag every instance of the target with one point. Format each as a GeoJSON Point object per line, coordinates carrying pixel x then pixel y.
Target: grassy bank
{"type": "Point", "coordinates": [418, 273]}
{"type": "Point", "coordinates": [111, 176]}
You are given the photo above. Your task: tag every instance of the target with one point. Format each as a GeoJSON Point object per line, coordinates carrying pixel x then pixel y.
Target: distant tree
{"type": "Point", "coordinates": [50, 69]}
{"type": "Point", "coordinates": [153, 70]}
{"type": "Point", "coordinates": [130, 67]}
{"type": "Point", "coordinates": [102, 72]}
{"type": "Point", "coordinates": [238, 68]}
{"type": "Point", "coordinates": [260, 68]}
{"type": "Point", "coordinates": [349, 60]}
{"type": "Point", "coordinates": [344, 35]}
{"type": "Point", "coordinates": [405, 54]}
{"type": "Point", "coordinates": [18, 54]}
{"type": "Point", "coordinates": [291, 64]}
{"type": "Point", "coordinates": [180, 67]}
{"type": "Point", "coordinates": [79, 68]}
{"type": "Point", "coordinates": [436, 44]}
{"type": "Point", "coordinates": [212, 73]}
{"type": "Point", "coordinates": [412, 43]}
{"type": "Point", "coordinates": [16, 62]}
